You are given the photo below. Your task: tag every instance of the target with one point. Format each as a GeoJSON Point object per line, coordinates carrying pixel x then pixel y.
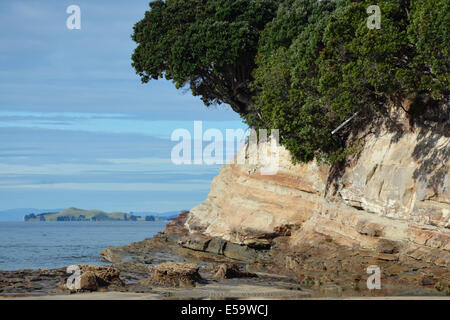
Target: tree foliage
{"type": "Point", "coordinates": [300, 66]}
{"type": "Point", "coordinates": [319, 63]}
{"type": "Point", "coordinates": [209, 45]}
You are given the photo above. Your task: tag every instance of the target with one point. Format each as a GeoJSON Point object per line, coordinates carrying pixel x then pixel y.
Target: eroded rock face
{"type": "Point", "coordinates": [393, 199]}
{"type": "Point", "coordinates": [94, 277]}
{"type": "Point", "coordinates": [173, 275]}
{"type": "Point", "coordinates": [245, 206]}
{"type": "Point", "coordinates": [322, 226]}
{"type": "Point", "coordinates": [105, 276]}
{"type": "Point", "coordinates": [230, 271]}
{"type": "Point", "coordinates": [88, 281]}
{"type": "Point", "coordinates": [29, 282]}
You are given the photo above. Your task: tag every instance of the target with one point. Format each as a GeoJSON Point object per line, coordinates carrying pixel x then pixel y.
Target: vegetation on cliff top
{"type": "Point", "coordinates": [300, 66]}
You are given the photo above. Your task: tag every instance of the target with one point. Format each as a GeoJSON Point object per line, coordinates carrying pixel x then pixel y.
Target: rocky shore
{"type": "Point", "coordinates": [320, 267]}
{"type": "Point", "coordinates": [323, 226]}
{"type": "Point", "coordinates": [310, 230]}
{"type": "Point", "coordinates": [176, 264]}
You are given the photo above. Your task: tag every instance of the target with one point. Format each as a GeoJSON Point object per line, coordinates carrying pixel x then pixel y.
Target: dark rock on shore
{"type": "Point", "coordinates": [54, 281]}
{"type": "Point", "coordinates": [173, 275]}
{"type": "Point", "coordinates": [94, 277]}
{"type": "Point", "coordinates": [317, 267]}
{"type": "Point", "coordinates": [230, 271]}
{"type": "Point", "coordinates": [319, 263]}
{"type": "Point", "coordinates": [30, 282]}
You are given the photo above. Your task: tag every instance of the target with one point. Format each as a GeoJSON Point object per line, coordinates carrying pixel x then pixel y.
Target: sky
{"type": "Point", "coordinates": [77, 126]}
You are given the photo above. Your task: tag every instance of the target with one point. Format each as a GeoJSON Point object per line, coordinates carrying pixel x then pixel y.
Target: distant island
{"type": "Point", "coordinates": [75, 214]}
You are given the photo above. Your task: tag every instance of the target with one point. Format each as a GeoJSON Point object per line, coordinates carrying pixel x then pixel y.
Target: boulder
{"type": "Point", "coordinates": [229, 271]}
{"type": "Point", "coordinates": [94, 277]}
{"type": "Point", "coordinates": [173, 274]}
{"type": "Point", "coordinates": [88, 281]}
{"type": "Point", "coordinates": [105, 276]}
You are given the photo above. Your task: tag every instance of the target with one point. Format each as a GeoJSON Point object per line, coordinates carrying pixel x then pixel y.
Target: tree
{"type": "Point", "coordinates": [286, 80]}
{"type": "Point", "coordinates": [429, 31]}
{"type": "Point", "coordinates": [319, 63]}
{"type": "Point", "coordinates": [301, 66]}
{"type": "Point", "coordinates": [209, 45]}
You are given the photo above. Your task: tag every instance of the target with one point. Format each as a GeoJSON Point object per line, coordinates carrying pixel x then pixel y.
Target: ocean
{"type": "Point", "coordinates": [48, 245]}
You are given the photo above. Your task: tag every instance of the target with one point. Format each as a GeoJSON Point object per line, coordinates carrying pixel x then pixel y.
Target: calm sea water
{"type": "Point", "coordinates": [45, 245]}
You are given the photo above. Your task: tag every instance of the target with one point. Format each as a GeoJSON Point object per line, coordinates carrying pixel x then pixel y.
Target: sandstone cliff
{"type": "Point", "coordinates": [395, 193]}
{"type": "Point", "coordinates": [324, 226]}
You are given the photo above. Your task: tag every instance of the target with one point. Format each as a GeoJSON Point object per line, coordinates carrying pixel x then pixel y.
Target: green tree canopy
{"type": "Point", "coordinates": [319, 63]}
{"type": "Point", "coordinates": [209, 45]}
{"type": "Point", "coordinates": [300, 66]}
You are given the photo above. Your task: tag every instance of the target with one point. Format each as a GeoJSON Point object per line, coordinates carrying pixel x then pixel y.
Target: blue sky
{"type": "Point", "coordinates": [77, 127]}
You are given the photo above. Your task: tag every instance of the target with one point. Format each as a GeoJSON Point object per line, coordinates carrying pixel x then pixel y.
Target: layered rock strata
{"type": "Point", "coordinates": [387, 206]}
{"type": "Point", "coordinates": [393, 197]}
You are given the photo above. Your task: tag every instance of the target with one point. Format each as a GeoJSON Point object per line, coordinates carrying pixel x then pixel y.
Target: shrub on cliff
{"type": "Point", "coordinates": [287, 80]}
{"type": "Point", "coordinates": [300, 66]}
{"type": "Point", "coordinates": [429, 31]}
{"type": "Point", "coordinates": [319, 63]}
